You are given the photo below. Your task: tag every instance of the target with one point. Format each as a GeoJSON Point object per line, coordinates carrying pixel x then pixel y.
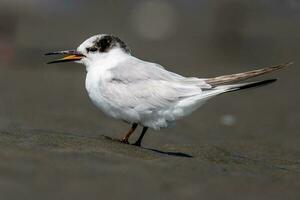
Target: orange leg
{"type": "Point", "coordinates": [126, 137]}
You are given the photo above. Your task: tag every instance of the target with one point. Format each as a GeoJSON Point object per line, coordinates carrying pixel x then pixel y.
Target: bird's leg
{"type": "Point", "coordinates": [139, 141]}
{"type": "Point", "coordinates": [126, 137]}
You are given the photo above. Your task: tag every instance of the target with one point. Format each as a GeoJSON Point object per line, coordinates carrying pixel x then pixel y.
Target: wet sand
{"type": "Point", "coordinates": [39, 164]}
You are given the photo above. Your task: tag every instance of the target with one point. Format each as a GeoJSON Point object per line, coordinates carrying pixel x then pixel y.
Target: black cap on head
{"type": "Point", "coordinates": [107, 42]}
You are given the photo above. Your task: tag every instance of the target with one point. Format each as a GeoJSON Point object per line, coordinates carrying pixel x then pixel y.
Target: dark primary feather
{"type": "Point", "coordinates": [232, 78]}
{"type": "Point", "coordinates": [251, 85]}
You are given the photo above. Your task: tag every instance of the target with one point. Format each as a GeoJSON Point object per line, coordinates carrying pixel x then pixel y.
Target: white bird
{"type": "Point", "coordinates": [144, 93]}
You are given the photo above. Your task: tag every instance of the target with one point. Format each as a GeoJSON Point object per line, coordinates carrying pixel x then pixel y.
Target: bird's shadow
{"type": "Point", "coordinates": [169, 153]}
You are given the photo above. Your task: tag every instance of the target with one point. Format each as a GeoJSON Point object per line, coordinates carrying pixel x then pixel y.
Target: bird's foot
{"type": "Point", "coordinates": [137, 143]}
{"type": "Point", "coordinates": [123, 140]}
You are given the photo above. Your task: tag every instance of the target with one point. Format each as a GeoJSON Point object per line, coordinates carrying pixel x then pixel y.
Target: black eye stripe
{"type": "Point", "coordinates": [91, 49]}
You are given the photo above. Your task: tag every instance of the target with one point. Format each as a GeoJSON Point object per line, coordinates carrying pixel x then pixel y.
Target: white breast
{"type": "Point", "coordinates": [96, 83]}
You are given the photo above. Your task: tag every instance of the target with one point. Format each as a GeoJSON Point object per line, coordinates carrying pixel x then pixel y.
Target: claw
{"type": "Point", "coordinates": [124, 141]}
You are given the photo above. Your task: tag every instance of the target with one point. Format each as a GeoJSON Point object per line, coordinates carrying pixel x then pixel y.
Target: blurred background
{"type": "Point", "coordinates": [203, 38]}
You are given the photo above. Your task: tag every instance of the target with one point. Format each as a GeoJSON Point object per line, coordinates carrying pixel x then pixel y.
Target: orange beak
{"type": "Point", "coordinates": [72, 55]}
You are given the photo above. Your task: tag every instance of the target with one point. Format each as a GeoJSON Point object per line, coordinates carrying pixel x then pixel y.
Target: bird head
{"type": "Point", "coordinates": [92, 49]}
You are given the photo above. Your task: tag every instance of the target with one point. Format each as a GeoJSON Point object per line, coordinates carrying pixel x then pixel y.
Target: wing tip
{"type": "Point", "coordinates": [284, 65]}
{"type": "Point", "coordinates": [257, 84]}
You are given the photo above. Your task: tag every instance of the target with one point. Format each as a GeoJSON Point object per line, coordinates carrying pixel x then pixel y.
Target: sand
{"type": "Point", "coordinates": [39, 164]}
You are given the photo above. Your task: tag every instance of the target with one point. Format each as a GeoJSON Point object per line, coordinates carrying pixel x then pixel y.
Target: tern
{"type": "Point", "coordinates": [144, 93]}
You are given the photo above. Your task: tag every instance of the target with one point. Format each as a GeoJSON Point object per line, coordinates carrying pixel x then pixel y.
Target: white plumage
{"type": "Point", "coordinates": [137, 91]}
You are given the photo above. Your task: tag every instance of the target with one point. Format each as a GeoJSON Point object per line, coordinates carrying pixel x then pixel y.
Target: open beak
{"type": "Point", "coordinates": [71, 55]}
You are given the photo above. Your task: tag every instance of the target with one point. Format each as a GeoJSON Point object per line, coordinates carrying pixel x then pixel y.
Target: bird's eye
{"type": "Point", "coordinates": [91, 49]}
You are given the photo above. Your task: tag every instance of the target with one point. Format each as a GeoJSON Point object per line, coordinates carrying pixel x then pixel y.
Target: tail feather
{"type": "Point", "coordinates": [222, 80]}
